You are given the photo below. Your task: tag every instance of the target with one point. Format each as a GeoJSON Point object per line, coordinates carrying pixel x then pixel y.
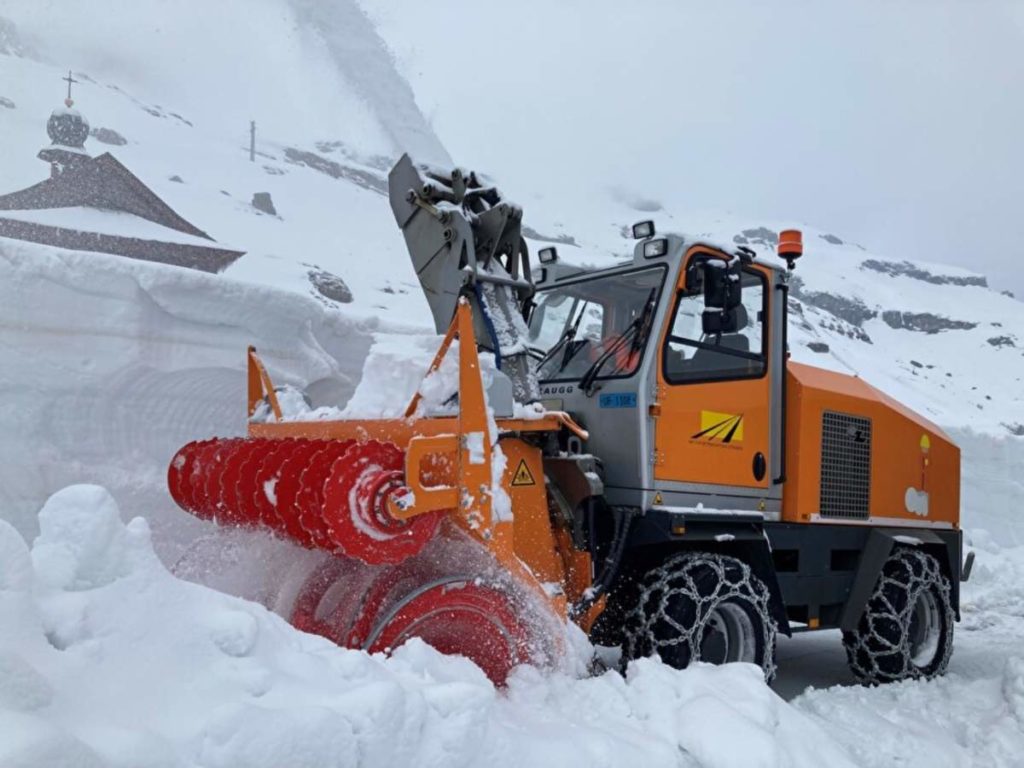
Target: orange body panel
{"type": "Point", "coordinates": [710, 432]}
{"type": "Point", "coordinates": [534, 539]}
{"type": "Point", "coordinates": [449, 462]}
{"type": "Point", "coordinates": [687, 411]}
{"type": "Point", "coordinates": [910, 456]}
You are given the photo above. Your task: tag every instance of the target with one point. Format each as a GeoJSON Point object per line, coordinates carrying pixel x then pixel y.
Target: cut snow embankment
{"type": "Point", "coordinates": [108, 660]}
{"type": "Point", "coordinates": [110, 365]}
{"type": "Point", "coordinates": [974, 715]}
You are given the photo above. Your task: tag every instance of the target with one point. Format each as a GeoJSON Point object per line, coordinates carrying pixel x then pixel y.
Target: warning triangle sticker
{"type": "Point", "coordinates": [523, 475]}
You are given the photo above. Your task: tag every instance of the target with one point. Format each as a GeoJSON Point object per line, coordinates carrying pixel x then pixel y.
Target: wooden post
{"type": "Point", "coordinates": [252, 141]}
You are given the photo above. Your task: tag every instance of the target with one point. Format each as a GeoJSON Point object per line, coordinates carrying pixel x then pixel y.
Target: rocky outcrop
{"type": "Point", "coordinates": [4, 102]}
{"type": "Point", "coordinates": [1002, 341]}
{"type": "Point", "coordinates": [108, 136]}
{"type": "Point", "coordinates": [924, 322]}
{"type": "Point", "coordinates": [818, 346]}
{"type": "Point", "coordinates": [853, 311]}
{"type": "Point", "coordinates": [330, 286]}
{"type": "Point", "coordinates": [262, 201]}
{"type": "Point", "coordinates": [843, 328]}
{"type": "Point", "coordinates": [380, 162]}
{"type": "Point", "coordinates": [906, 269]}
{"type": "Point", "coordinates": [757, 236]}
{"type": "Point", "coordinates": [357, 176]}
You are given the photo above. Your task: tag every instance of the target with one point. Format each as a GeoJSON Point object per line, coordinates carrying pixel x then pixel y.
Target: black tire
{"type": "Point", "coordinates": [698, 606]}
{"type": "Point", "coordinates": [906, 630]}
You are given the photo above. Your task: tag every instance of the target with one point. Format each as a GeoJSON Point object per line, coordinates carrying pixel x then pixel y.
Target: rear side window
{"type": "Point", "coordinates": [690, 355]}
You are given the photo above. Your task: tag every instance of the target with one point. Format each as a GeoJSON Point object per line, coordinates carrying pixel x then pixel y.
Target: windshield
{"type": "Point", "coordinates": [595, 327]}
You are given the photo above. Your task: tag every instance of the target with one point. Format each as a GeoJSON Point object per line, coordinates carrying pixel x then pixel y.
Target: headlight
{"type": "Point", "coordinates": [655, 248]}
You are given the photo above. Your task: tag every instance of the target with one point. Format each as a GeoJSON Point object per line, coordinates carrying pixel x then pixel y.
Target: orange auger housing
{"type": "Point", "coordinates": [409, 507]}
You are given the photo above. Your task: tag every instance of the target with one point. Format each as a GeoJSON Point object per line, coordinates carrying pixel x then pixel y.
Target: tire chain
{"type": "Point", "coordinates": [906, 573]}
{"type": "Point", "coordinates": [676, 576]}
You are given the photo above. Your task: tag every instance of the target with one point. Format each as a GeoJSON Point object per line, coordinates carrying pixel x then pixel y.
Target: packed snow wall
{"type": "Point", "coordinates": [992, 484]}
{"type": "Point", "coordinates": [109, 366]}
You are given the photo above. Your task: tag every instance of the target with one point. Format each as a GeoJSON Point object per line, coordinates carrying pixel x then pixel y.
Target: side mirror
{"type": "Point", "coordinates": [723, 294]}
{"type": "Point", "coordinates": [722, 285]}
{"type": "Point", "coordinates": [547, 255]}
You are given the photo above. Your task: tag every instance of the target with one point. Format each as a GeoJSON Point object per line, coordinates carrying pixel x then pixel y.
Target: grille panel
{"type": "Point", "coordinates": [845, 466]}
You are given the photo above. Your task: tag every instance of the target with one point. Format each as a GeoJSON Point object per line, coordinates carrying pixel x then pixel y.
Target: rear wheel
{"type": "Point", "coordinates": [906, 630]}
{"type": "Point", "coordinates": [702, 607]}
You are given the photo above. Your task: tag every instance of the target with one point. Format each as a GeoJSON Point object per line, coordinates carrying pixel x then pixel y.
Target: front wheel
{"type": "Point", "coordinates": [906, 630]}
{"type": "Point", "coordinates": [698, 606]}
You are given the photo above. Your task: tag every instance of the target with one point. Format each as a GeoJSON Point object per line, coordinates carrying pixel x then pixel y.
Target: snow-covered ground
{"type": "Point", "coordinates": [106, 659]}
{"type": "Point", "coordinates": [110, 365]}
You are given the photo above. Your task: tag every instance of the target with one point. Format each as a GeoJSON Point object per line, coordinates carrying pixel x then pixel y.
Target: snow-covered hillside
{"type": "Point", "coordinates": [110, 365]}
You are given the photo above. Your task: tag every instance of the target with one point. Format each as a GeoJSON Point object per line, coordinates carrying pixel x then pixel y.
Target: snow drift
{"type": "Point", "coordinates": [106, 659]}
{"type": "Point", "coordinates": [111, 365]}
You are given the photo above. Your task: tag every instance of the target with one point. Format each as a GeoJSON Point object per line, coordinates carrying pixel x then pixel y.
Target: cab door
{"type": "Point", "coordinates": [713, 422]}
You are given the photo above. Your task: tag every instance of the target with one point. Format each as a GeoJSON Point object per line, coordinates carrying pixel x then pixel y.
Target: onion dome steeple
{"type": "Point", "coordinates": [68, 129]}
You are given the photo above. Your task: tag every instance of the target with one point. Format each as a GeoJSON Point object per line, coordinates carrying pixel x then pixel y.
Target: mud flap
{"type": "Point", "coordinates": [876, 551]}
{"type": "Point", "coordinates": [756, 553]}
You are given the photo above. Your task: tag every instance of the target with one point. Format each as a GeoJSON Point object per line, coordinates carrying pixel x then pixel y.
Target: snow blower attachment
{"type": "Point", "coordinates": [417, 511]}
{"type": "Point", "coordinates": [682, 488]}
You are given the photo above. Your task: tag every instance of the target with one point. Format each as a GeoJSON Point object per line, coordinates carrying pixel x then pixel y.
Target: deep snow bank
{"type": "Point", "coordinates": [108, 660]}
{"type": "Point", "coordinates": [973, 716]}
{"type": "Point", "coordinates": [109, 366]}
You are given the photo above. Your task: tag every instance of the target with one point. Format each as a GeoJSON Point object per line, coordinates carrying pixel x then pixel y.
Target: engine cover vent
{"type": "Point", "coordinates": [845, 466]}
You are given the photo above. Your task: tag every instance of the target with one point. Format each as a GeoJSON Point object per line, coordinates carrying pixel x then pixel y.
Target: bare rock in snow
{"type": "Point", "coordinates": [1002, 341]}
{"type": "Point", "coordinates": [924, 322]}
{"type": "Point", "coordinates": [357, 176]}
{"type": "Point", "coordinates": [262, 201]}
{"type": "Point", "coordinates": [757, 236]}
{"type": "Point", "coordinates": [818, 346]}
{"type": "Point", "coordinates": [108, 136]}
{"type": "Point", "coordinates": [4, 102]}
{"type": "Point", "coordinates": [177, 178]}
{"type": "Point", "coordinates": [853, 311]}
{"type": "Point", "coordinates": [330, 286]}
{"type": "Point", "coordinates": [906, 269]}
{"type": "Point", "coordinates": [560, 239]}
{"type": "Point", "coordinates": [831, 239]}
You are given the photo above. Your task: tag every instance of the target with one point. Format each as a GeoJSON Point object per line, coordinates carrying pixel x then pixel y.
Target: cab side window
{"type": "Point", "coordinates": [691, 355]}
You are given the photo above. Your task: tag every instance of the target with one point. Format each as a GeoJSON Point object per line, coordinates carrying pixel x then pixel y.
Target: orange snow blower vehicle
{"type": "Point", "coordinates": [627, 448]}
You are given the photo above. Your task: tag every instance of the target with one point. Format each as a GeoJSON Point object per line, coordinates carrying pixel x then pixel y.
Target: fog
{"type": "Point", "coordinates": [897, 125]}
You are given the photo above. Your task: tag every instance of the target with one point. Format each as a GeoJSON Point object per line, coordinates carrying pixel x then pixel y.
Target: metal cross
{"type": "Point", "coordinates": [69, 80]}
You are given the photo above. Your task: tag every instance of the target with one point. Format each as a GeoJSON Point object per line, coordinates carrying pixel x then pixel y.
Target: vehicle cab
{"type": "Point", "coordinates": [679, 356]}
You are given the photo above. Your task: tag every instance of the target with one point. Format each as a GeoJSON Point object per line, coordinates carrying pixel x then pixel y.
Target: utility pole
{"type": "Point", "coordinates": [252, 141]}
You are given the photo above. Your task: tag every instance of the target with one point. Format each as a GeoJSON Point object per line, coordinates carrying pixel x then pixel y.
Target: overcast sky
{"type": "Point", "coordinates": [899, 125]}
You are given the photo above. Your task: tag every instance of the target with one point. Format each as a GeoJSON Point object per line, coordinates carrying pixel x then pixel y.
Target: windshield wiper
{"type": "Point", "coordinates": [635, 332]}
{"type": "Point", "coordinates": [568, 335]}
